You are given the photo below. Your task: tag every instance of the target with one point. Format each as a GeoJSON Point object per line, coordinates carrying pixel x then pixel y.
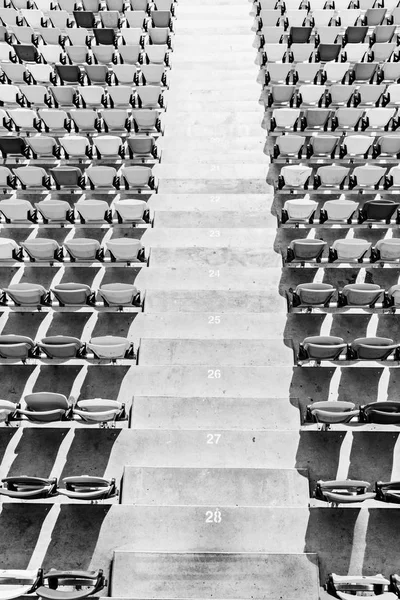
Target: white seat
{"type": "Point", "coordinates": [124, 249]}
{"type": "Point", "coordinates": [30, 176]}
{"type": "Point", "coordinates": [311, 94]}
{"type": "Point", "coordinates": [350, 249]}
{"type": "Point", "coordinates": [136, 177]}
{"type": "Point", "coordinates": [75, 145]}
{"type": "Point", "coordinates": [7, 246]}
{"type": "Point", "coordinates": [296, 175]}
{"type": "Point", "coordinates": [368, 175]}
{"type": "Point", "coordinates": [118, 294]}
{"type": "Point", "coordinates": [285, 118]}
{"type": "Point", "coordinates": [275, 52]}
{"type": "Point", "coordinates": [340, 210]}
{"type": "Point", "coordinates": [349, 17]}
{"type": "Point", "coordinates": [355, 52]}
{"type": "Point", "coordinates": [82, 248]}
{"type": "Point", "coordinates": [92, 95]}
{"type": "Point", "coordinates": [111, 347]}
{"type": "Point", "coordinates": [53, 210]}
{"type": "Point", "coordinates": [335, 71]}
{"type": "Point", "coordinates": [23, 118]}
{"type": "Point", "coordinates": [358, 145]}
{"type": "Point", "coordinates": [130, 211]}
{"type": "Point", "coordinates": [101, 176]}
{"type": "Point", "coordinates": [16, 210]}
{"type": "Point", "coordinates": [156, 54]}
{"type": "Point", "coordinates": [379, 117]}
{"type": "Point", "coordinates": [300, 210]}
{"type": "Point", "coordinates": [107, 145]}
{"type": "Point", "coordinates": [92, 210]}
{"type": "Point", "coordinates": [40, 248]}
{"type": "Point", "coordinates": [389, 248]}
{"type": "Point", "coordinates": [125, 74]}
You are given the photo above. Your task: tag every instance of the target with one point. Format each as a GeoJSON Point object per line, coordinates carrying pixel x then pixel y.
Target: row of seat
{"type": "Point", "coordinates": [52, 584]}
{"type": "Point", "coordinates": [78, 487]}
{"type": "Point", "coordinates": [312, 5]}
{"type": "Point", "coordinates": [307, 296]}
{"type": "Point", "coordinates": [333, 348]}
{"type": "Point", "coordinates": [346, 587]}
{"type": "Point", "coordinates": [352, 491]}
{"type": "Point", "coordinates": [63, 347]}
{"type": "Point", "coordinates": [348, 250]}
{"type": "Point", "coordinates": [48, 6]}
{"type": "Point", "coordinates": [124, 249]}
{"type": "Point", "coordinates": [292, 17]}
{"type": "Point", "coordinates": [332, 178]}
{"type": "Point", "coordinates": [338, 95]}
{"type": "Point", "coordinates": [336, 412]}
{"type": "Point", "coordinates": [329, 73]}
{"type": "Point", "coordinates": [50, 407]}
{"type": "Point", "coordinates": [139, 148]}
{"type": "Point", "coordinates": [99, 178]}
{"type": "Point", "coordinates": [351, 54]}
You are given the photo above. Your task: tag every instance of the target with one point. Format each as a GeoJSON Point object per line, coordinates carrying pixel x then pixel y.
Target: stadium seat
{"type": "Point", "coordinates": [60, 346]}
{"type": "Point", "coordinates": [26, 294]}
{"type": "Point", "coordinates": [153, 74]}
{"type": "Point", "coordinates": [69, 74]}
{"type": "Point", "coordinates": [42, 146]}
{"type": "Point", "coordinates": [298, 211]}
{"type": "Point", "coordinates": [125, 249]}
{"type": "Point", "coordinates": [83, 249]}
{"type": "Point", "coordinates": [305, 250]}
{"type": "Point", "coordinates": [104, 55]}
{"type": "Point", "coordinates": [16, 347]}
{"type": "Point", "coordinates": [138, 178]}
{"type": "Point", "coordinates": [125, 74]}
{"type": "Point", "coordinates": [93, 211]}
{"type": "Point", "coordinates": [13, 146]}
{"type": "Point", "coordinates": [73, 294]}
{"type": "Point", "coordinates": [360, 294]}
{"type": "Point", "coordinates": [150, 96]}
{"type": "Point", "coordinates": [116, 119]}
{"type": "Point", "coordinates": [332, 412]}
{"type": "Point", "coordinates": [372, 348]}
{"type": "Point", "coordinates": [28, 488]}
{"type": "Point", "coordinates": [24, 119]}
{"type": "Point", "coordinates": [290, 146]}
{"type": "Point", "coordinates": [281, 95]}
{"type": "Point", "coordinates": [382, 51]}
{"type": "Point", "coordinates": [146, 121]}
{"type": "Point", "coordinates": [275, 52]}
{"type": "Point", "coordinates": [322, 146]}
{"type": "Point", "coordinates": [142, 147]}
{"type": "Point", "coordinates": [278, 73]}
{"type": "Point", "coordinates": [110, 347]}
{"type": "Point", "coordinates": [328, 34]}
{"type": "Point", "coordinates": [354, 53]}
{"type": "Point", "coordinates": [9, 250]}
{"type": "Point", "coordinates": [32, 177]}
{"type": "Point", "coordinates": [42, 249]}
{"type": "Point", "coordinates": [13, 73]}
{"type": "Point", "coordinates": [338, 211]}
{"type": "Point", "coordinates": [378, 118]}
{"type": "Point", "coordinates": [386, 250]}
{"type": "Point", "coordinates": [319, 347]}
{"type": "Point", "coordinates": [383, 413]}
{"type": "Point", "coordinates": [18, 582]}
{"type": "Point", "coordinates": [55, 211]}
{"type": "Point", "coordinates": [315, 119]}
{"type": "Point", "coordinates": [77, 54]}
{"type": "Point", "coordinates": [67, 177]}
{"type": "Point", "coordinates": [76, 146]}
{"type": "Point", "coordinates": [35, 95]}
{"type": "Point", "coordinates": [102, 177]}
{"type": "Point", "coordinates": [294, 177]}
{"type": "Point", "coordinates": [345, 586]}
{"type": "Point", "coordinates": [349, 249]}
{"type": "Point", "coordinates": [328, 53]}
{"type": "Point", "coordinates": [136, 18]}
{"type": "Point", "coordinates": [377, 210]}
{"type": "Point", "coordinates": [110, 18]}
{"type": "Point", "coordinates": [356, 146]}
{"type": "Point", "coordinates": [343, 492]}
{"type": "Point", "coordinates": [85, 583]}
{"type": "Point", "coordinates": [368, 95]}
{"type": "Point", "coordinates": [86, 487]}
{"type": "Point", "coordinates": [334, 72]}
{"type": "Point", "coordinates": [63, 96]}
{"type": "Point", "coordinates": [367, 176]}
{"type": "Point", "coordinates": [161, 18]}
{"type": "Point", "coordinates": [108, 146]}
{"type": "Point", "coordinates": [119, 294]}
{"type": "Point", "coordinates": [310, 95]}
{"type": "Point", "coordinates": [99, 410]}
{"type": "Point", "coordinates": [331, 177]}
{"type": "Point", "coordinates": [388, 491]}
{"type": "Point", "coordinates": [84, 18]}
{"type": "Point", "coordinates": [313, 294]}
{"type": "Point", "coordinates": [54, 120]}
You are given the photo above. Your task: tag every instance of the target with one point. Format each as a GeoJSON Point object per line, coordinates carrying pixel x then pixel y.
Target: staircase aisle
{"type": "Point", "coordinates": [220, 509]}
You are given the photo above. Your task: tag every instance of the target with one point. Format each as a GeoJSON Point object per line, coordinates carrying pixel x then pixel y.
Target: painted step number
{"type": "Point", "coordinates": [213, 516]}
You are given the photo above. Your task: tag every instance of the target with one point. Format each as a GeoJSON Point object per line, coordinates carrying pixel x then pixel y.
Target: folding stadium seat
{"type": "Point", "coordinates": [23, 34]}
{"type": "Point", "coordinates": [13, 146]}
{"type": "Point", "coordinates": [323, 17]}
{"type": "Point", "coordinates": [378, 210]}
{"type": "Point", "coordinates": [349, 17]}
{"type": "Point", "coordinates": [109, 347]}
{"type": "Point", "coordinates": [392, 95]}
{"type": "Point", "coordinates": [125, 74]}
{"type": "Point", "coordinates": [93, 210]}
{"type": "Point", "coordinates": [136, 18]}
{"type": "Point", "coordinates": [104, 54]}
{"type": "Point", "coordinates": [340, 211]}
{"type": "Point", "coordinates": [97, 74]}
{"type": "Point", "coordinates": [83, 249]}
{"type": "Point", "coordinates": [108, 146]}
{"type": "Point", "coordinates": [55, 210]}
{"type": "Point", "coordinates": [294, 177]}
{"type": "Point", "coordinates": [282, 95]}
{"type": "Point", "coordinates": [331, 177]}
{"type": "Point", "coordinates": [40, 73]}
{"type": "Point", "coordinates": [42, 249]}
{"type": "Point", "coordinates": [84, 584]}
{"type": "Point", "coordinates": [300, 34]}
{"type": "Point", "coordinates": [16, 210]}
{"type": "Point", "coordinates": [278, 73]}
{"type": "Point", "coordinates": [116, 119]}
{"type": "Point", "coordinates": [60, 19]}
{"type": "Point", "coordinates": [301, 52]}
{"type": "Point", "coordinates": [284, 119]}
{"type": "Point", "coordinates": [382, 51]}
{"type": "Point", "coordinates": [356, 146]}
{"type": "Point", "coordinates": [332, 412]}
{"type": "Point", "coordinates": [9, 16]}
{"type": "Point", "coordinates": [387, 250]}
{"type": "Point", "coordinates": [60, 346]}
{"type": "Point", "coordinates": [382, 34]}
{"type": "Point", "coordinates": [77, 54]}
{"type": "Point", "coordinates": [54, 120]}
{"type": "Point", "coordinates": [310, 95]}
{"type": "Point", "coordinates": [343, 492]}
{"type": "Point", "coordinates": [378, 118]}
{"type": "Point", "coordinates": [157, 54]}
{"type": "Point", "coordinates": [165, 5]}
{"type": "Point", "coordinates": [139, 4]}
{"type": "Point", "coordinates": [368, 95]}
{"type": "Point", "coordinates": [150, 96]}
{"type": "Point", "coordinates": [125, 250]}
{"type": "Point", "coordinates": [122, 95]}
{"type": "Point", "coordinates": [76, 146]}
{"type": "Point", "coordinates": [130, 211]}
{"type": "Point", "coordinates": [298, 211]}
{"type": "Point", "coordinates": [363, 72]}
{"type": "Point", "coordinates": [334, 72]}
{"type": "Point", "coordinates": [315, 119]}
{"type": "Point", "coordinates": [69, 74]}
{"type": "Point", "coordinates": [305, 72]}
{"type": "Point", "coordinates": [105, 36]}
{"type": "Point", "coordinates": [374, 16]}
{"type": "Point", "coordinates": [142, 147]}
{"type": "Point", "coordinates": [33, 18]}
{"type": "Point", "coordinates": [138, 178]}
{"type": "Point", "coordinates": [102, 177]}
{"type": "Point", "coordinates": [52, 36]}
{"type": "Point", "coordinates": [355, 35]}
{"type": "Point", "coordinates": [85, 119]}
{"type": "Point", "coordinates": [270, 18]}
{"type": "Point", "coordinates": [63, 96]}
{"type": "Point", "coordinates": [5, 52]}
{"type": "Point", "coordinates": [275, 52]}
{"type": "Point", "coordinates": [321, 146]}
{"type": "Point", "coordinates": [384, 413]}
{"type": "Point", "coordinates": [387, 146]}
{"type": "Point", "coordinates": [91, 5]}
{"type": "Point", "coordinates": [87, 487]}
{"type": "Point", "coordinates": [146, 121]}
{"type": "Point", "coordinates": [289, 146]}
{"type": "Point", "coordinates": [9, 250]}
{"type": "Point", "coordinates": [296, 17]}
{"type": "Point", "coordinates": [153, 75]}
{"type": "Point", "coordinates": [79, 37]}
{"type": "Point", "coordinates": [354, 53]}
{"type": "Point", "coordinates": [34, 95]}
{"type": "Point", "coordinates": [347, 118]}
{"type": "Point", "coordinates": [305, 250]}
{"type": "Point", "coordinates": [328, 52]}
{"type": "Point", "coordinates": [274, 35]}
{"type": "Point", "coordinates": [84, 18]}
{"type": "Point", "coordinates": [100, 411]}
{"type": "Point", "coordinates": [349, 250]}
{"type": "Point", "coordinates": [329, 35]}
{"type": "Point", "coordinates": [388, 492]}
{"type": "Point", "coordinates": [372, 348]}
{"type": "Point", "coordinates": [161, 18]}
{"type": "Point", "coordinates": [13, 73]}
{"type": "Point", "coordinates": [390, 72]}
{"type": "Point", "coordinates": [27, 294]}
{"type": "Point", "coordinates": [132, 36]}
{"type": "Point", "coordinates": [321, 347]}
{"type": "Point", "coordinates": [28, 488]}
{"type": "Point", "coordinates": [129, 54]}
{"type": "Point", "coordinates": [119, 294]}
{"type": "Point", "coordinates": [23, 119]}
{"type": "Point", "coordinates": [92, 96]}
{"type": "Point", "coordinates": [32, 177]}
{"type": "Point", "coordinates": [9, 95]}
{"type": "Point", "coordinates": [313, 294]}
{"type": "Point", "coordinates": [27, 53]}
{"type": "Point", "coordinates": [16, 347]}
{"type": "Point", "coordinates": [44, 407]}
{"type": "Point", "coordinates": [73, 294]}
{"type": "Point", "coordinates": [367, 176]}
{"type": "Point", "coordinates": [361, 294]}
{"type": "Point", "coordinates": [377, 584]}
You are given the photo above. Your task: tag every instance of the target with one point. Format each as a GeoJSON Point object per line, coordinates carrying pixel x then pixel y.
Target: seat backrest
{"type": "Point", "coordinates": [332, 175]}
{"type": "Point", "coordinates": [340, 210]}
{"type": "Point", "coordinates": [296, 175]}
{"type": "Point", "coordinates": [101, 176]}
{"type": "Point", "coordinates": [369, 175]}
{"type": "Point", "coordinates": [351, 248]}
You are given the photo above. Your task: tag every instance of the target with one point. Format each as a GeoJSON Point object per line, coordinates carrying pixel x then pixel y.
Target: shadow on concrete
{"type": "Point", "coordinates": [382, 542]}
{"type": "Point", "coordinates": [57, 378]}
{"type": "Point", "coordinates": [103, 383]}
{"type": "Point", "coordinates": [20, 526]}
{"type": "Point", "coordinates": [359, 384]}
{"type": "Point", "coordinates": [13, 381]}
{"type": "Point", "coordinates": [6, 434]}
{"type": "Point", "coordinates": [319, 452]}
{"type": "Point", "coordinates": [75, 536]}
{"type": "Point", "coordinates": [42, 444]}
{"type": "Point", "coordinates": [311, 383]}
{"type": "Point", "coordinates": [89, 452]}
{"type": "Point", "coordinates": [372, 455]}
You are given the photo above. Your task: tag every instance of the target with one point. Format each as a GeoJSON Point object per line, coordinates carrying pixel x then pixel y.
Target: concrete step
{"type": "Point", "coordinates": [225, 576]}
{"type": "Point", "coordinates": [152, 412]}
{"type": "Point", "coordinates": [161, 237]}
{"type": "Point", "coordinates": [204, 203]}
{"type": "Point", "coordinates": [211, 172]}
{"type": "Point", "coordinates": [251, 353]}
{"type": "Point", "coordinates": [220, 118]}
{"type": "Point", "coordinates": [184, 55]}
{"type": "Point", "coordinates": [218, 301]}
{"type": "Point", "coordinates": [240, 219]}
{"type": "Point", "coordinates": [210, 131]}
{"type": "Point", "coordinates": [220, 156]}
{"type": "Point", "coordinates": [205, 95]}
{"type": "Point", "coordinates": [231, 27]}
{"type": "Point", "coordinates": [213, 257]}
{"type": "Point", "coordinates": [226, 487]}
